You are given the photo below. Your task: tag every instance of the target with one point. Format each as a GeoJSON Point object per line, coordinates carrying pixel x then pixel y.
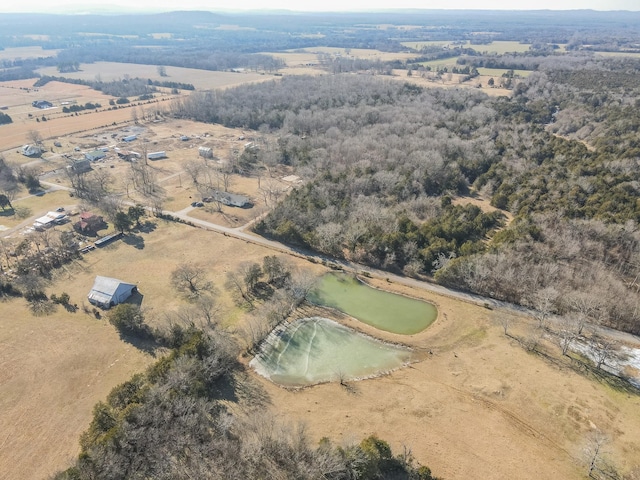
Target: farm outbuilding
{"type": "Point", "coordinates": [108, 292]}
{"type": "Point", "coordinates": [31, 151]}
{"type": "Point", "coordinates": [49, 220]}
{"type": "Point", "coordinates": [205, 152]}
{"type": "Point", "coordinates": [157, 155]}
{"type": "Point", "coordinates": [95, 155]}
{"type": "Point", "coordinates": [130, 138]}
{"type": "Point", "coordinates": [42, 104]}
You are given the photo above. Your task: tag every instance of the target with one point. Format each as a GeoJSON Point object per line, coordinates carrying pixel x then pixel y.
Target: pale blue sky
{"type": "Point", "coordinates": [313, 5]}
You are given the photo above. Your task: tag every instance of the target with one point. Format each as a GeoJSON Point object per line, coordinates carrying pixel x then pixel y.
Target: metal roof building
{"type": "Point", "coordinates": [107, 292]}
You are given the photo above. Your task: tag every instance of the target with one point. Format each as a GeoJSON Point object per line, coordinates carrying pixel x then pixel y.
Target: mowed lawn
{"type": "Point", "coordinates": [54, 369]}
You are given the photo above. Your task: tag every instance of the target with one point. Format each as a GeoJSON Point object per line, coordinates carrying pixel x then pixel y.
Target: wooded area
{"type": "Point", "coordinates": [383, 160]}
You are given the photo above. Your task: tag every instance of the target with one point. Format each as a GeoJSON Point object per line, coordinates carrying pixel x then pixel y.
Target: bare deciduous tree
{"type": "Point", "coordinates": [603, 349]}
{"type": "Point", "coordinates": [190, 280]}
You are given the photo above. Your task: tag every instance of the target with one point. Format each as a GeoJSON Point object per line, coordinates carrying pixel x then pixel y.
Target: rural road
{"type": "Point", "coordinates": [241, 234]}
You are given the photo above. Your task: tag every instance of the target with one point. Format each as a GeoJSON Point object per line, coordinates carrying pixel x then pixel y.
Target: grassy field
{"type": "Point", "coordinates": [13, 53]}
{"type": "Point", "coordinates": [201, 79]}
{"type": "Point", "coordinates": [498, 72]}
{"type": "Point", "coordinates": [55, 368]}
{"type": "Point", "coordinates": [441, 63]}
{"type": "Point", "coordinates": [309, 55]}
{"type": "Point", "coordinates": [498, 47]}
{"type": "Point", "coordinates": [619, 54]}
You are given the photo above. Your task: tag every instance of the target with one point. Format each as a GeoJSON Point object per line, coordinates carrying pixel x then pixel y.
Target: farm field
{"type": "Point", "coordinates": [497, 47]}
{"type": "Point", "coordinates": [619, 54]}
{"type": "Point", "coordinates": [19, 95]}
{"type": "Point", "coordinates": [201, 79]}
{"type": "Point", "coordinates": [306, 56]}
{"type": "Point", "coordinates": [498, 72]}
{"type": "Point", "coordinates": [55, 368]}
{"type": "Point", "coordinates": [13, 53]}
{"type": "Point", "coordinates": [453, 80]}
{"type": "Point", "coordinates": [475, 405]}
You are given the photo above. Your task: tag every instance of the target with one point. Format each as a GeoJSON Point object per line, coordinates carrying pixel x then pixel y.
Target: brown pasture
{"type": "Point", "coordinates": [13, 53]}
{"type": "Point", "coordinates": [201, 79]}
{"type": "Point", "coordinates": [55, 368]}
{"type": "Point", "coordinates": [475, 405]}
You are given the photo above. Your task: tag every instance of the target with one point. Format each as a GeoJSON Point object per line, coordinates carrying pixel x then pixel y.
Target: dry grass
{"type": "Point", "coordinates": [55, 368]}
{"type": "Point", "coordinates": [477, 405]}
{"type": "Point", "coordinates": [13, 53]}
{"type": "Point", "coordinates": [453, 80]}
{"type": "Point", "coordinates": [201, 79]}
{"type": "Point", "coordinates": [498, 47]}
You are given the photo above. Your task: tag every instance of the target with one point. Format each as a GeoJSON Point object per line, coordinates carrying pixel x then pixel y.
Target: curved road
{"type": "Point", "coordinates": [241, 234]}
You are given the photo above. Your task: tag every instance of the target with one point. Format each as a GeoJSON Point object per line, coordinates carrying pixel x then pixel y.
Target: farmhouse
{"type": "Point", "coordinates": [95, 155]}
{"type": "Point", "coordinates": [89, 223]}
{"type": "Point", "coordinates": [127, 155]}
{"type": "Point", "coordinates": [31, 151]}
{"type": "Point", "coordinates": [230, 199]}
{"type": "Point", "coordinates": [79, 166]}
{"type": "Point", "coordinates": [107, 292]}
{"type": "Point", "coordinates": [41, 104]}
{"type": "Point", "coordinates": [49, 220]}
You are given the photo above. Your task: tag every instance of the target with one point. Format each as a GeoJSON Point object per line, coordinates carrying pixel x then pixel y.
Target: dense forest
{"type": "Point", "coordinates": [384, 161]}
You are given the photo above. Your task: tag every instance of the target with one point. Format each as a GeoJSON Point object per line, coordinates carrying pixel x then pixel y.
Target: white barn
{"type": "Point", "coordinates": [108, 292]}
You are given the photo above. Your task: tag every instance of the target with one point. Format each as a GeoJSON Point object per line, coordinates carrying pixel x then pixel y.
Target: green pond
{"type": "Point", "coordinates": [316, 350]}
{"type": "Point", "coordinates": [384, 310]}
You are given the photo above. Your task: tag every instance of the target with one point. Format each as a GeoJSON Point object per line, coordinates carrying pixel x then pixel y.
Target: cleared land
{"type": "Point", "coordinates": [55, 368]}
{"type": "Point", "coordinates": [451, 80]}
{"type": "Point", "coordinates": [19, 95]}
{"type": "Point", "coordinates": [310, 56]}
{"type": "Point", "coordinates": [201, 79]}
{"type": "Point", "coordinates": [13, 53]}
{"type": "Point", "coordinates": [497, 47]}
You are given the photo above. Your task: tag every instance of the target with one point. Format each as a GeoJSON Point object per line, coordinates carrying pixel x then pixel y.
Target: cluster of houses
{"type": "Point", "coordinates": [49, 220]}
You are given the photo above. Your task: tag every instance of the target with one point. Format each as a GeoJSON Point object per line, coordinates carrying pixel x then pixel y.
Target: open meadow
{"type": "Point", "coordinates": [201, 79]}
{"type": "Point", "coordinates": [14, 53]}
{"type": "Point", "coordinates": [497, 47]}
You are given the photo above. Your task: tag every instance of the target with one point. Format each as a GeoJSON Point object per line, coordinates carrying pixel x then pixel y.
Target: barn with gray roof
{"type": "Point", "coordinates": [107, 292]}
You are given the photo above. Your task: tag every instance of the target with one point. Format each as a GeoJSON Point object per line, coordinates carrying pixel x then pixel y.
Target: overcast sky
{"type": "Point", "coordinates": [312, 5]}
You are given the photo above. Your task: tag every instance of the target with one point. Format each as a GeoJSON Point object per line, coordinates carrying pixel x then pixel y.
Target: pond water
{"type": "Point", "coordinates": [315, 350]}
{"type": "Point", "coordinates": [384, 310]}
